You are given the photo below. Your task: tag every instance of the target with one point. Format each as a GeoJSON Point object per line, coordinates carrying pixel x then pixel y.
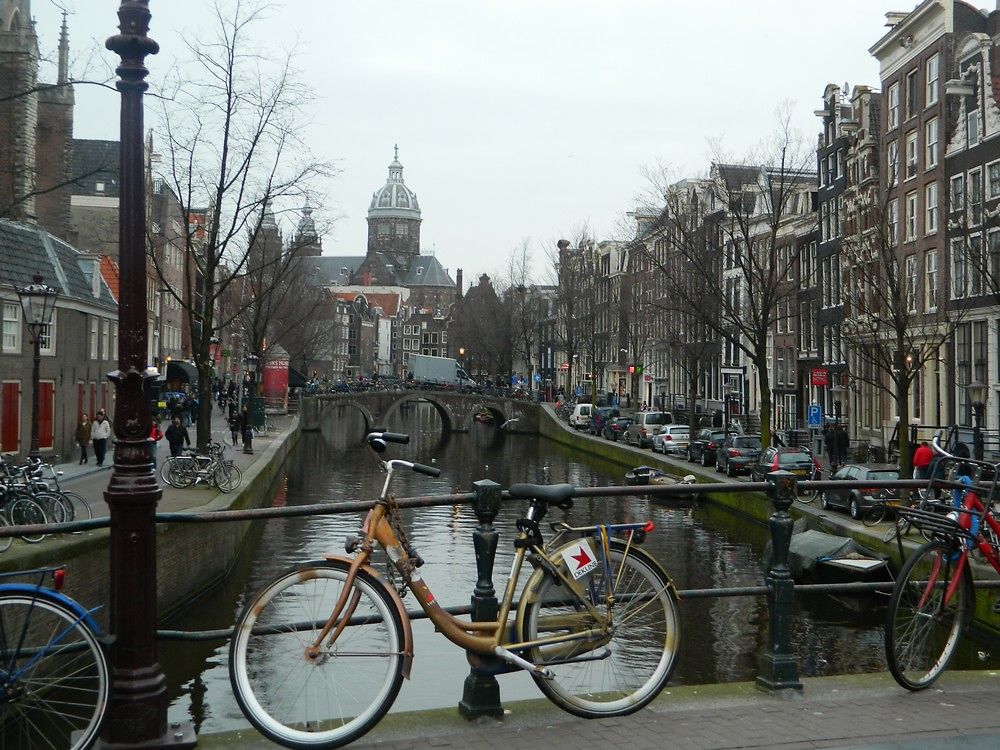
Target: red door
{"type": "Point", "coordinates": [104, 397]}
{"type": "Point", "coordinates": [46, 408]}
{"type": "Point", "coordinates": [93, 399]}
{"type": "Point", "coordinates": [79, 402]}
{"type": "Point", "coordinates": [10, 417]}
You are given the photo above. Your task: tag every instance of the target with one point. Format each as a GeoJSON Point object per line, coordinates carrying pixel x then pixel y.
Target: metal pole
{"type": "Point", "coordinates": [778, 666]}
{"type": "Point", "coordinates": [36, 335]}
{"type": "Point", "coordinates": [137, 714]}
{"type": "Point", "coordinates": [481, 692]}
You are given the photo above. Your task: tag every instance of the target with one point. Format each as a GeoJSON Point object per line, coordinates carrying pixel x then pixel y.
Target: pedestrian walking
{"type": "Point", "coordinates": [177, 436]}
{"type": "Point", "coordinates": [155, 436]}
{"type": "Point", "coordinates": [246, 425]}
{"type": "Point", "coordinates": [843, 443]}
{"type": "Point", "coordinates": [830, 446]}
{"type": "Point", "coordinates": [922, 458]}
{"type": "Point", "coordinates": [234, 424]}
{"type": "Point", "coordinates": [100, 431]}
{"type": "Point", "coordinates": [83, 437]}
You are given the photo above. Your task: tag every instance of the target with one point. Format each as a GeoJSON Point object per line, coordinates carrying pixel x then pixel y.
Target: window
{"type": "Point", "coordinates": [911, 94]}
{"type": "Point", "coordinates": [993, 245]}
{"type": "Point", "coordinates": [932, 81]}
{"type": "Point", "coordinates": [972, 127]}
{"type": "Point", "coordinates": [930, 280]}
{"type": "Point", "coordinates": [958, 192]}
{"type": "Point", "coordinates": [911, 283]}
{"type": "Point", "coordinates": [993, 180]}
{"type": "Point", "coordinates": [93, 339]}
{"type": "Point", "coordinates": [114, 341]}
{"type": "Point", "coordinates": [892, 163]}
{"type": "Point", "coordinates": [975, 264]}
{"type": "Point", "coordinates": [105, 338]}
{"type": "Point", "coordinates": [11, 328]}
{"type": "Point", "coordinates": [47, 337]}
{"type": "Point", "coordinates": [911, 154]}
{"type": "Point", "coordinates": [893, 110]}
{"type": "Point", "coordinates": [957, 269]}
{"type": "Point", "coordinates": [930, 208]}
{"type": "Point", "coordinates": [976, 197]}
{"type": "Point", "coordinates": [893, 228]}
{"type": "Point", "coordinates": [406, 343]}
{"type": "Point", "coordinates": [931, 144]}
{"type": "Point", "coordinates": [911, 215]}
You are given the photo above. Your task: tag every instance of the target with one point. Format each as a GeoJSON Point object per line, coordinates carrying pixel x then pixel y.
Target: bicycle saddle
{"type": "Point", "coordinates": [560, 495]}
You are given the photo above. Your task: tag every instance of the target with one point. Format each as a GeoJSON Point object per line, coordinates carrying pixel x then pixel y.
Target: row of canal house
{"type": "Point", "coordinates": [914, 161]}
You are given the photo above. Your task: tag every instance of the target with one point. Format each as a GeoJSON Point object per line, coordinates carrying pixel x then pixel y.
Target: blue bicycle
{"type": "Point", "coordinates": [54, 684]}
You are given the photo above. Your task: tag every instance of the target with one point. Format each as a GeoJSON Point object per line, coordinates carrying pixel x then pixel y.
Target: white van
{"type": "Point", "coordinates": [580, 418]}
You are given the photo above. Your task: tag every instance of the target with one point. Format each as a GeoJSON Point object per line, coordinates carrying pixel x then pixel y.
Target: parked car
{"type": "Point", "coordinates": [737, 454]}
{"type": "Point", "coordinates": [580, 417]}
{"type": "Point", "coordinates": [856, 501]}
{"type": "Point", "coordinates": [645, 424]}
{"type": "Point", "coordinates": [616, 427]}
{"type": "Point", "coordinates": [703, 446]}
{"type": "Point", "coordinates": [672, 438]}
{"type": "Point", "coordinates": [600, 418]}
{"type": "Point", "coordinates": [799, 461]}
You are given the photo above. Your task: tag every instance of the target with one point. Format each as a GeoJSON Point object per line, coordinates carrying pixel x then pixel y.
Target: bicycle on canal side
{"type": "Point", "coordinates": [933, 598]}
{"type": "Point", "coordinates": [319, 654]}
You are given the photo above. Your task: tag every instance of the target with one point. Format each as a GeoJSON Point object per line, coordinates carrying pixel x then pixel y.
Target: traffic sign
{"type": "Point", "coordinates": [538, 377]}
{"type": "Point", "coordinates": [815, 415]}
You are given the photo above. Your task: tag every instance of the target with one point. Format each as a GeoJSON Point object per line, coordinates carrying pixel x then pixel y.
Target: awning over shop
{"type": "Point", "coordinates": [183, 372]}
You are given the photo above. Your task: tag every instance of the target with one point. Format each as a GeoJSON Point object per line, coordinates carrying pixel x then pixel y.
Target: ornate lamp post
{"type": "Point", "coordinates": [37, 303]}
{"type": "Point", "coordinates": [977, 395]}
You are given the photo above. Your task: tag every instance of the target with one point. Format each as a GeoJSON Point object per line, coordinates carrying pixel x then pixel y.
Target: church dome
{"type": "Point", "coordinates": [394, 199]}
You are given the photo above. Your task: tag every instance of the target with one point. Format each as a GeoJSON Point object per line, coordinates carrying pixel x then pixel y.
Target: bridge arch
{"type": "Point", "coordinates": [448, 420]}
{"type": "Point", "coordinates": [340, 403]}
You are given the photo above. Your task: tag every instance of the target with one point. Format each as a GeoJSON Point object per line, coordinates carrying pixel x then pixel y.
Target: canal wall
{"type": "Point", "coordinates": [191, 558]}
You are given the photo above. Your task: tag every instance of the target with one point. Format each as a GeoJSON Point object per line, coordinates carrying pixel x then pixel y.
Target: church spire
{"type": "Point", "coordinates": [63, 76]}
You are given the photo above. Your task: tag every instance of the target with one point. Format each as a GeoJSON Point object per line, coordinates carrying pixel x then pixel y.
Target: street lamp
{"type": "Point", "coordinates": [37, 303]}
{"type": "Point", "coordinates": [976, 391]}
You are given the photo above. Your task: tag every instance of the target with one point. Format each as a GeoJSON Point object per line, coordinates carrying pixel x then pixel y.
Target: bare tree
{"type": "Point", "coordinates": [231, 120]}
{"type": "Point", "coordinates": [574, 269]}
{"type": "Point", "coordinates": [514, 285]}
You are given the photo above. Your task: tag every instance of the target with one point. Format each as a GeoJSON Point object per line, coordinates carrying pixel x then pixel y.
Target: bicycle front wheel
{"type": "Point", "coordinates": [927, 612]}
{"type": "Point", "coordinates": [25, 512]}
{"type": "Point", "coordinates": [227, 476]}
{"type": "Point", "coordinates": [327, 700]}
{"type": "Point", "coordinates": [54, 675]}
{"type": "Point", "coordinates": [5, 541]}
{"type": "Point", "coordinates": [633, 644]}
{"type": "Point", "coordinates": [874, 515]}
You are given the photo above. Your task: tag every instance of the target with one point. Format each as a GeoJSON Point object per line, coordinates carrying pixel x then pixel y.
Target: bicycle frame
{"type": "Point", "coordinates": [488, 637]}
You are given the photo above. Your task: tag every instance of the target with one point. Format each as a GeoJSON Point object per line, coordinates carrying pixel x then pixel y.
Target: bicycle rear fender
{"type": "Point", "coordinates": [58, 598]}
{"type": "Point", "coordinates": [404, 618]}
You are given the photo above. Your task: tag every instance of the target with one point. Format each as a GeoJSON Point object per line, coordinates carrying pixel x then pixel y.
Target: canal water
{"type": "Point", "coordinates": [700, 546]}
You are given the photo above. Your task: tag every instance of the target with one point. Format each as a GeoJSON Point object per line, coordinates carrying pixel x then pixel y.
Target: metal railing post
{"type": "Point", "coordinates": [778, 666]}
{"type": "Point", "coordinates": [481, 692]}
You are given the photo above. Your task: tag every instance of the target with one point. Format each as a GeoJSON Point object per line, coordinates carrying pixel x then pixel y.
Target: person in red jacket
{"type": "Point", "coordinates": [922, 458]}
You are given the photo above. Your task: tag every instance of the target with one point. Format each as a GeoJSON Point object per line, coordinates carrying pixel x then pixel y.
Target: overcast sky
{"type": "Point", "coordinates": [521, 119]}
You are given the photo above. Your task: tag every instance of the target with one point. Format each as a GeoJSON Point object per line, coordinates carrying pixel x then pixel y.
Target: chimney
{"type": "Point", "coordinates": [458, 275]}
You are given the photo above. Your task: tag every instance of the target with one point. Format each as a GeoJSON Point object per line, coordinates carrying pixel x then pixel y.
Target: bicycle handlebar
{"type": "Point", "coordinates": [431, 471]}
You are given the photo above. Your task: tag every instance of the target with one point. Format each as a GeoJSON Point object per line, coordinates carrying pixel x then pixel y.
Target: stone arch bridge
{"type": "Point", "coordinates": [457, 410]}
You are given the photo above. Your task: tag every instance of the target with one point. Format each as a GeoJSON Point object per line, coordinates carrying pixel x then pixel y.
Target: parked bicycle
{"type": "Point", "coordinates": [923, 499]}
{"type": "Point", "coordinates": [211, 468]}
{"type": "Point", "coordinates": [54, 682]}
{"type": "Point", "coordinates": [319, 654]}
{"type": "Point", "coordinates": [933, 598]}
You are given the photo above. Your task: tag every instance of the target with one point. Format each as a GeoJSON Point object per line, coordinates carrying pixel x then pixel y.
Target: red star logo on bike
{"type": "Point", "coordinates": [582, 558]}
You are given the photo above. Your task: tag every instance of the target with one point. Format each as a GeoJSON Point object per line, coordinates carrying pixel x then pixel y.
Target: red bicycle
{"type": "Point", "coordinates": [933, 599]}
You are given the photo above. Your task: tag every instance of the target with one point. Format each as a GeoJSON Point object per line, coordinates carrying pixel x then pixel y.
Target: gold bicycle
{"type": "Point", "coordinates": [319, 654]}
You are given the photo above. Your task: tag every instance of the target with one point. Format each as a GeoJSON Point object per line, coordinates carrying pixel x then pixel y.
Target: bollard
{"type": "Point", "coordinates": [481, 692]}
{"type": "Point", "coordinates": [778, 666]}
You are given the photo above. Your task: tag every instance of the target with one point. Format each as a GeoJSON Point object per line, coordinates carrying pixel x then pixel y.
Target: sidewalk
{"type": "Point", "coordinates": [853, 711]}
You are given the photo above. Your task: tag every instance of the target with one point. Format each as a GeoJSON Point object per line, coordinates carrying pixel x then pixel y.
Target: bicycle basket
{"type": "Point", "coordinates": [936, 524]}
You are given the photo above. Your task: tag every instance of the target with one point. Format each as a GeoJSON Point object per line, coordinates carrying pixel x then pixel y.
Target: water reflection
{"type": "Point", "coordinates": [700, 546]}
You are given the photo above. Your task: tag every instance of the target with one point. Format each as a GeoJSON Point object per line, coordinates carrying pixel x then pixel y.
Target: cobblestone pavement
{"type": "Point", "coordinates": [861, 711]}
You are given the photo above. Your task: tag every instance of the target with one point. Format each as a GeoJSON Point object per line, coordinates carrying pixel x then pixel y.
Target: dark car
{"type": "Point", "coordinates": [600, 418]}
{"type": "Point", "coordinates": [616, 427]}
{"type": "Point", "coordinates": [857, 500]}
{"type": "Point", "coordinates": [704, 445]}
{"type": "Point", "coordinates": [799, 461]}
{"type": "Point", "coordinates": [737, 454]}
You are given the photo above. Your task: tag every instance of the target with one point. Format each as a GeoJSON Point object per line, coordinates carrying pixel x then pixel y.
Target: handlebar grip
{"type": "Point", "coordinates": [431, 471]}
{"type": "Point", "coordinates": [396, 437]}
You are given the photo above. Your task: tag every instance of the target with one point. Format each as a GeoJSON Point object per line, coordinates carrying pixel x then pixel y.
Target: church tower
{"type": "Point", "coordinates": [54, 147]}
{"type": "Point", "coordinates": [307, 242]}
{"type": "Point", "coordinates": [18, 109]}
{"type": "Point", "coordinates": [394, 220]}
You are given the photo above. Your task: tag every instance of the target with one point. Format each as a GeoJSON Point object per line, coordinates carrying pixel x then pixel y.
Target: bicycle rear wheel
{"type": "Point", "coordinates": [227, 476]}
{"type": "Point", "coordinates": [5, 541]}
{"type": "Point", "coordinates": [81, 508]}
{"type": "Point", "coordinates": [925, 618]}
{"type": "Point", "coordinates": [25, 512]}
{"type": "Point", "coordinates": [874, 515]}
{"type": "Point", "coordinates": [53, 674]}
{"type": "Point", "coordinates": [616, 672]}
{"type": "Point", "coordinates": [325, 701]}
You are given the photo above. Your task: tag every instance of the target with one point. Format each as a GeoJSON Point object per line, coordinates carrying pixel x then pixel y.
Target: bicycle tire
{"type": "Point", "coordinates": [275, 684]}
{"type": "Point", "coordinates": [56, 508]}
{"type": "Point", "coordinates": [81, 508]}
{"type": "Point", "coordinates": [921, 631]}
{"type": "Point", "coordinates": [899, 527]}
{"type": "Point", "coordinates": [594, 678]}
{"type": "Point", "coordinates": [57, 671]}
{"type": "Point", "coordinates": [6, 541]}
{"type": "Point", "coordinates": [226, 476]}
{"type": "Point", "coordinates": [26, 512]}
{"type": "Point", "coordinates": [874, 515]}
{"type": "Point", "coordinates": [181, 472]}
{"type": "Point", "coordinates": [165, 470]}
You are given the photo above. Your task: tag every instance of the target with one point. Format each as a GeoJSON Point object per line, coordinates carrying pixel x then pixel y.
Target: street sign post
{"type": "Point", "coordinates": [815, 415]}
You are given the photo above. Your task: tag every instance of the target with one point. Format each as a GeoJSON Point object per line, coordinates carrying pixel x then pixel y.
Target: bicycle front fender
{"type": "Point", "coordinates": [85, 616]}
{"type": "Point", "coordinates": [404, 617]}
